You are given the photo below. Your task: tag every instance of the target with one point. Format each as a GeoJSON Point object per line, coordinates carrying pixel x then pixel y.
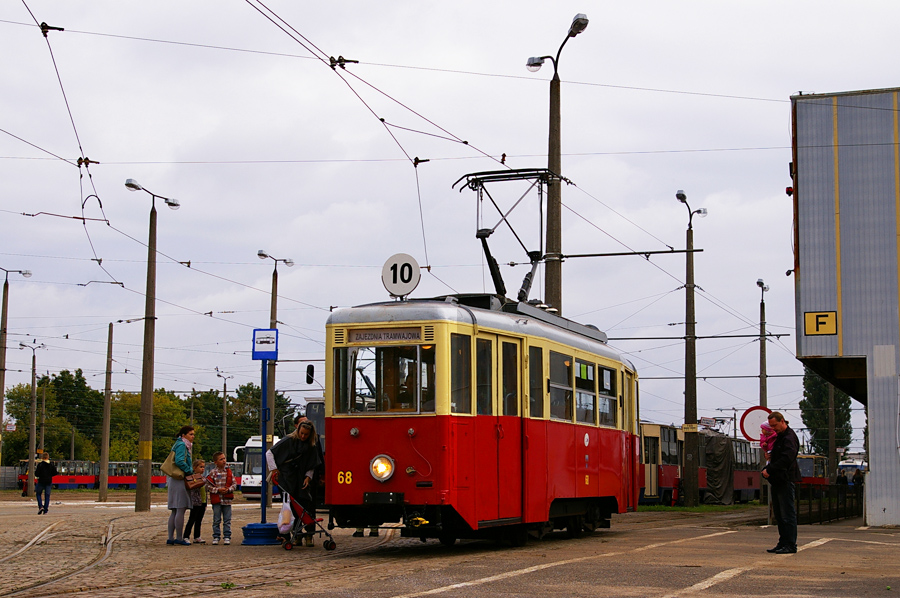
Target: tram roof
{"type": "Point", "coordinates": [484, 310]}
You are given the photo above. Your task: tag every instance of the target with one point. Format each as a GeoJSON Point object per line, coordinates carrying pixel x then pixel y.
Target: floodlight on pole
{"type": "Point", "coordinates": [224, 409]}
{"type": "Point", "coordinates": [763, 382]}
{"type": "Point", "coordinates": [691, 437]}
{"type": "Point", "coordinates": [3, 317]}
{"type": "Point", "coordinates": [145, 431]}
{"type": "Point", "coordinates": [553, 254]}
{"type": "Point", "coordinates": [32, 426]}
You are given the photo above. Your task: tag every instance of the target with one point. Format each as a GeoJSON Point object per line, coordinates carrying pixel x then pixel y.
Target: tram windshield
{"type": "Point", "coordinates": [394, 379]}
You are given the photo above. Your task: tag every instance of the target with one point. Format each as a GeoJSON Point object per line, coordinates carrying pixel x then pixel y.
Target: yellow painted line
{"type": "Point", "coordinates": [837, 225]}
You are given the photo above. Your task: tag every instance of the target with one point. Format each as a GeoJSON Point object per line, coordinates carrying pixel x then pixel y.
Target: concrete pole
{"type": "Point", "coordinates": [832, 444]}
{"type": "Point", "coordinates": [145, 434]}
{"type": "Point", "coordinates": [104, 442]}
{"type": "Point", "coordinates": [691, 438]}
{"type": "Point", "coordinates": [553, 259]}
{"type": "Point", "coordinates": [763, 391]}
{"type": "Point", "coordinates": [43, 412]}
{"type": "Point", "coordinates": [3, 315]}
{"type": "Point", "coordinates": [270, 378]}
{"type": "Point", "coordinates": [225, 417]}
{"type": "Point", "coordinates": [32, 437]}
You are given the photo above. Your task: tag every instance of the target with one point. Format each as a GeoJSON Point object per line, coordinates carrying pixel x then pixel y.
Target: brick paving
{"type": "Point", "coordinates": [107, 550]}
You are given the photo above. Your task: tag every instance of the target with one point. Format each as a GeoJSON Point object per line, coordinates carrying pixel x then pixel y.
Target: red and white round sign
{"type": "Point", "coordinates": [752, 419]}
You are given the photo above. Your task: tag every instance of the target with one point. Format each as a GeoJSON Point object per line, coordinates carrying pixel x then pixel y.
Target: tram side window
{"type": "Point", "coordinates": [668, 442]}
{"type": "Point", "coordinates": [608, 404]}
{"type": "Point", "coordinates": [585, 391]}
{"type": "Point", "coordinates": [560, 386]}
{"type": "Point", "coordinates": [536, 381]}
{"type": "Point", "coordinates": [510, 379]}
{"type": "Point", "coordinates": [460, 373]}
{"type": "Point", "coordinates": [483, 376]}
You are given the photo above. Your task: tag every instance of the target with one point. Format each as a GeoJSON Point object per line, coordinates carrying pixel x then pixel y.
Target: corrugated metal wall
{"type": "Point", "coordinates": [847, 185]}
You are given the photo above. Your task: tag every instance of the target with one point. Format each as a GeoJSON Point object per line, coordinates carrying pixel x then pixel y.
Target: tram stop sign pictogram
{"type": "Point", "coordinates": [401, 275]}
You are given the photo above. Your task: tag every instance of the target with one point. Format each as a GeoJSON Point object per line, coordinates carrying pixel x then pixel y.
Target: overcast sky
{"type": "Point", "coordinates": [266, 147]}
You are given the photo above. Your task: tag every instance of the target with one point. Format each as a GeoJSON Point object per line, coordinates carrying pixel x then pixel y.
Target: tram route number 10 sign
{"type": "Point", "coordinates": [400, 275]}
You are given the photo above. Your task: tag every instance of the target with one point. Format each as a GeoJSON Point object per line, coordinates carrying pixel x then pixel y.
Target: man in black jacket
{"type": "Point", "coordinates": [782, 472]}
{"type": "Point", "coordinates": [44, 473]}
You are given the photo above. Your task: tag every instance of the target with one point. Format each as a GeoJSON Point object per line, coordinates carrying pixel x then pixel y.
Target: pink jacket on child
{"type": "Point", "coordinates": [767, 437]}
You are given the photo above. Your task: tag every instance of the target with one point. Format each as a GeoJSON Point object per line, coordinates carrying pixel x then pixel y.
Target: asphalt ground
{"type": "Point", "coordinates": [85, 548]}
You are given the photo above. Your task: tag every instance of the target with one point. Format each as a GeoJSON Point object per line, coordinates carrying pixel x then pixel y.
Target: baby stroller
{"type": "Point", "coordinates": [302, 518]}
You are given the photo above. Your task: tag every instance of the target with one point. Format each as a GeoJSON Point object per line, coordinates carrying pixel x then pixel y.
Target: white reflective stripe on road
{"type": "Point", "coordinates": [730, 573]}
{"type": "Point", "coordinates": [525, 571]}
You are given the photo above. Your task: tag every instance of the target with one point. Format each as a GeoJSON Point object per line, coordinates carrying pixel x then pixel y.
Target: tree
{"type": "Point", "coordinates": [72, 398]}
{"type": "Point", "coordinates": [125, 409]}
{"type": "Point", "coordinates": [243, 415]}
{"type": "Point", "coordinates": [814, 412]}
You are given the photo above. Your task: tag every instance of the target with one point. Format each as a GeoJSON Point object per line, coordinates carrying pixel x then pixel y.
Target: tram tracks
{"type": "Point", "coordinates": [320, 563]}
{"type": "Point", "coordinates": [105, 541]}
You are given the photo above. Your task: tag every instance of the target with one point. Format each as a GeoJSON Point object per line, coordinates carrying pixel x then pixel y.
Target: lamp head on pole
{"type": "Point", "coordinates": [680, 196]}
{"type": "Point", "coordinates": [261, 254]}
{"type": "Point", "coordinates": [535, 63]}
{"type": "Point", "coordinates": [579, 24]}
{"type": "Point", "coordinates": [133, 185]}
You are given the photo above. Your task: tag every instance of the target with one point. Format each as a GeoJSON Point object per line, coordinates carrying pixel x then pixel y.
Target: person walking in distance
{"type": "Point", "coordinates": [783, 472]}
{"type": "Point", "coordinates": [44, 473]}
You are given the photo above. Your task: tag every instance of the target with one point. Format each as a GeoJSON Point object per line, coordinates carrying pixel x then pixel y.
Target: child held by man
{"type": "Point", "coordinates": [766, 438]}
{"type": "Point", "coordinates": [221, 485]}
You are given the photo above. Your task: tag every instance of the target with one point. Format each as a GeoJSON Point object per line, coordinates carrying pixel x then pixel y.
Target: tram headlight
{"type": "Point", "coordinates": [382, 468]}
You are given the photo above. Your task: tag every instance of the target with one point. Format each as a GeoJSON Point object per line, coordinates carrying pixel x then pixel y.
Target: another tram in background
{"type": "Point", "coordinates": [472, 416]}
{"type": "Point", "coordinates": [814, 469]}
{"type": "Point", "coordinates": [662, 459]}
{"type": "Point", "coordinates": [86, 475]}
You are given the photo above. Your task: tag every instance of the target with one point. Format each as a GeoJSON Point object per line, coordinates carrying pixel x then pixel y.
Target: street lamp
{"type": "Point", "coordinates": [270, 373]}
{"type": "Point", "coordinates": [224, 411]}
{"type": "Point", "coordinates": [145, 433]}
{"type": "Point", "coordinates": [763, 394]}
{"type": "Point", "coordinates": [553, 257]}
{"type": "Point", "coordinates": [32, 434]}
{"type": "Point", "coordinates": [3, 314]}
{"type": "Point", "coordinates": [691, 438]}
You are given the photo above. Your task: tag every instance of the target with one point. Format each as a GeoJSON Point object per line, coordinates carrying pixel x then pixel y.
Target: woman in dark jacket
{"type": "Point", "coordinates": [179, 499]}
{"type": "Point", "coordinates": [296, 458]}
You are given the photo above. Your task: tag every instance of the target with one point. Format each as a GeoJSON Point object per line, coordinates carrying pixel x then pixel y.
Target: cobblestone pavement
{"type": "Point", "coordinates": [107, 550]}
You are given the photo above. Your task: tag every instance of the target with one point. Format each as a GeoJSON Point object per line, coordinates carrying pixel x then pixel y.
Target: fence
{"type": "Point", "coordinates": [8, 478]}
{"type": "Point", "coordinates": [818, 503]}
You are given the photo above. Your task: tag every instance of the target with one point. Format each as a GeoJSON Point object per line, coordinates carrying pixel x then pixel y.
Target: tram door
{"type": "Point", "coordinates": [651, 466]}
{"type": "Point", "coordinates": [498, 428]}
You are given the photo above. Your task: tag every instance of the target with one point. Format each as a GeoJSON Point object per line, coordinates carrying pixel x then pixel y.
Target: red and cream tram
{"type": "Point", "coordinates": [474, 417]}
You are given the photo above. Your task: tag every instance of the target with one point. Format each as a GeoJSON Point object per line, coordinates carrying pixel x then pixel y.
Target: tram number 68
{"type": "Point", "coordinates": [345, 477]}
